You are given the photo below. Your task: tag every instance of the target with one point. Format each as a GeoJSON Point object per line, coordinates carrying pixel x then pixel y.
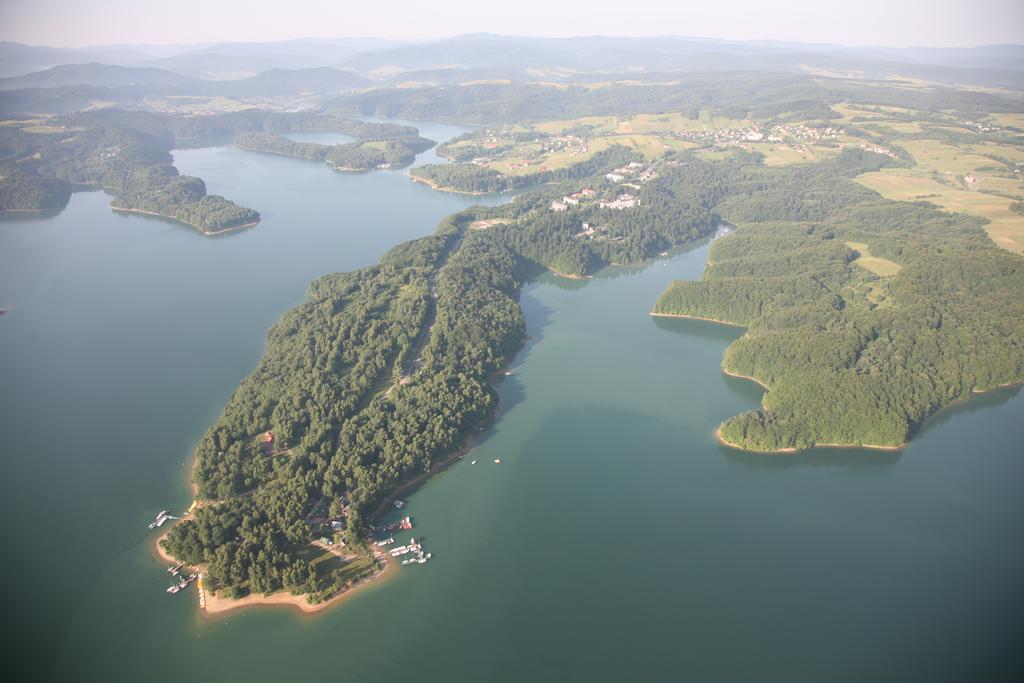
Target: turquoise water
{"type": "Point", "coordinates": [615, 540]}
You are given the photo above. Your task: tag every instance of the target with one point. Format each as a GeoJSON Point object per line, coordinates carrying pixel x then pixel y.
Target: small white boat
{"type": "Point", "coordinates": [473, 463]}
{"type": "Point", "coordinates": [497, 461]}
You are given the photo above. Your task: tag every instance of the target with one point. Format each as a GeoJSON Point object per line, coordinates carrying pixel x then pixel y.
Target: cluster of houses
{"type": "Point", "coordinates": [800, 131]}
{"type": "Point", "coordinates": [620, 174]}
{"type": "Point", "coordinates": [878, 149]}
{"type": "Point", "coordinates": [500, 140]}
{"type": "Point", "coordinates": [732, 136]}
{"type": "Point", "coordinates": [623, 201]}
{"type": "Point", "coordinates": [980, 127]}
{"type": "Point", "coordinates": [573, 199]}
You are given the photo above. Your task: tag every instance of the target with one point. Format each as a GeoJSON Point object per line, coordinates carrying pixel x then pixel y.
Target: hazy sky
{"type": "Point", "coordinates": [853, 22]}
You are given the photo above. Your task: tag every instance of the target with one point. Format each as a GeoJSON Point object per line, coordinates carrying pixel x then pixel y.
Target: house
{"type": "Point", "coordinates": [558, 206]}
{"type": "Point", "coordinates": [623, 201]}
{"type": "Point", "coordinates": [615, 177]}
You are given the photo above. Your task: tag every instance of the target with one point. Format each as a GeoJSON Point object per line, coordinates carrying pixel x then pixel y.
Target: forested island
{"type": "Point", "coordinates": [362, 155]}
{"type": "Point", "coordinates": [184, 199]}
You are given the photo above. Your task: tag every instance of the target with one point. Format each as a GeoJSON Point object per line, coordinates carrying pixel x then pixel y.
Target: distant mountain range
{"type": "Point", "coordinates": [124, 73]}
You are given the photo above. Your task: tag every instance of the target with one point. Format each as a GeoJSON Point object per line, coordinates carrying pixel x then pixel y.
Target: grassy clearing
{"type": "Point", "coordinates": [1005, 227]}
{"type": "Point", "coordinates": [1003, 119]}
{"type": "Point", "coordinates": [939, 156]}
{"type": "Point", "coordinates": [646, 124]}
{"type": "Point", "coordinates": [782, 154]}
{"type": "Point", "coordinates": [515, 161]}
{"type": "Point", "coordinates": [882, 267]}
{"type": "Point", "coordinates": [1010, 152]}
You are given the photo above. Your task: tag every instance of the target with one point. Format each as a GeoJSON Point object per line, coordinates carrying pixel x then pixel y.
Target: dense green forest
{"type": "Point", "coordinates": [182, 198]}
{"type": "Point", "coordinates": [272, 143]}
{"type": "Point", "coordinates": [851, 357]}
{"type": "Point", "coordinates": [363, 155]}
{"type": "Point", "coordinates": [33, 193]}
{"type": "Point", "coordinates": [368, 155]}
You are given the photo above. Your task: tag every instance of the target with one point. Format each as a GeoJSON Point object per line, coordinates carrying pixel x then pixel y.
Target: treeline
{"type": "Point", "coordinates": [222, 128]}
{"type": "Point", "coordinates": [272, 143]}
{"type": "Point", "coordinates": [850, 357]}
{"type": "Point", "coordinates": [737, 94]}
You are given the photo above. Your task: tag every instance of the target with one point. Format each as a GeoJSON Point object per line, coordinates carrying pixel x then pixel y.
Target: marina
{"type": "Point", "coordinates": [161, 518]}
{"type": "Point", "coordinates": [181, 584]}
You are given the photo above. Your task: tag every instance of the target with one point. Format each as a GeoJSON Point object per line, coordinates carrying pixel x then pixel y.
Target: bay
{"type": "Point", "coordinates": [616, 539]}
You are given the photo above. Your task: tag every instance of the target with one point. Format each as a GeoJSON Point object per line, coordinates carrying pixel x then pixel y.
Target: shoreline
{"type": "Point", "coordinates": [444, 463]}
{"type": "Point", "coordinates": [793, 449]}
{"type": "Point", "coordinates": [203, 231]}
{"type": "Point", "coordinates": [756, 381]}
{"type": "Point", "coordinates": [696, 317]}
{"type": "Point", "coordinates": [570, 276]}
{"type": "Point", "coordinates": [211, 604]}
{"type": "Point", "coordinates": [217, 605]}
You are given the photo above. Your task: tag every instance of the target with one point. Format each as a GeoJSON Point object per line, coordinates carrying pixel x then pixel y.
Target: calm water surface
{"type": "Point", "coordinates": [616, 539]}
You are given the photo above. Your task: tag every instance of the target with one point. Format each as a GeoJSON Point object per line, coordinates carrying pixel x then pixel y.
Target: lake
{"type": "Point", "coordinates": [615, 540]}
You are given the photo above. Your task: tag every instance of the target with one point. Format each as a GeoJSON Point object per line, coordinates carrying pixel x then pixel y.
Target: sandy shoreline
{"type": "Point", "coordinates": [746, 377]}
{"type": "Point", "coordinates": [218, 605]}
{"type": "Point", "coordinates": [211, 604]}
{"type": "Point", "coordinates": [696, 317]}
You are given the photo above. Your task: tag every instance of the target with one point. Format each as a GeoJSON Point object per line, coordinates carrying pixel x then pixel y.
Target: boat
{"type": "Point", "coordinates": [399, 504]}
{"type": "Point", "coordinates": [497, 461]}
{"type": "Point", "coordinates": [405, 524]}
{"type": "Point", "coordinates": [160, 519]}
{"type": "Point", "coordinates": [473, 463]}
{"type": "Point", "coordinates": [174, 569]}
